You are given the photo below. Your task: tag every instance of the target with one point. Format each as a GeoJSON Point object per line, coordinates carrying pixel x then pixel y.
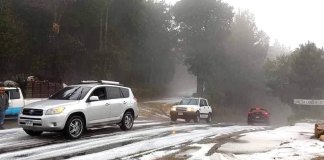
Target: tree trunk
{"type": "Point", "coordinates": [100, 36]}
{"type": "Point", "coordinates": [200, 84]}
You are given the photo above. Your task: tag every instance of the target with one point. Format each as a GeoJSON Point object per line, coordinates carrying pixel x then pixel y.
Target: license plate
{"type": "Point", "coordinates": [257, 117]}
{"type": "Point", "coordinates": [180, 113]}
{"type": "Point", "coordinates": [29, 123]}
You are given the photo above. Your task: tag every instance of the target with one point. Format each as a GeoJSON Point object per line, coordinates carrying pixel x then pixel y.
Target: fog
{"type": "Point", "coordinates": [237, 54]}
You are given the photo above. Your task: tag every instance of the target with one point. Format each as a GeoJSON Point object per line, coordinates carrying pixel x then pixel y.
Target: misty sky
{"type": "Point", "coordinates": [292, 22]}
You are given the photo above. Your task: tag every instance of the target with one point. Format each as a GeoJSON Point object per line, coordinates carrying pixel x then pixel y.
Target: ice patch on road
{"type": "Point", "coordinates": [290, 142]}
{"type": "Point", "coordinates": [149, 124]}
{"type": "Point", "coordinates": [164, 142]}
{"type": "Point", "coordinates": [67, 148]}
{"type": "Point", "coordinates": [201, 153]}
{"type": "Point", "coordinates": [158, 154]}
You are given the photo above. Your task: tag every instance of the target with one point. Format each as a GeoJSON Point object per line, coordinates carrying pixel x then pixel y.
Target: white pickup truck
{"type": "Point", "coordinates": [17, 101]}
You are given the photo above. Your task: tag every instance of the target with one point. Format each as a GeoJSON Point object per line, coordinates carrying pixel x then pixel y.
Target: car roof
{"type": "Point", "coordinates": [98, 84]}
{"type": "Point", "coordinates": [10, 88]}
{"type": "Point", "coordinates": [194, 98]}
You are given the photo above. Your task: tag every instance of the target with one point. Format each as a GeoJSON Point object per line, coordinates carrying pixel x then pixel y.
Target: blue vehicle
{"type": "Point", "coordinates": [16, 101]}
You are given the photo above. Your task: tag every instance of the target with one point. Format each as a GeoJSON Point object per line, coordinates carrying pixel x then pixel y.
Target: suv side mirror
{"type": "Point", "coordinates": [94, 98]}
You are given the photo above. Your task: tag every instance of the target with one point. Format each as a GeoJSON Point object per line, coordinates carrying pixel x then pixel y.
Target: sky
{"type": "Point", "coordinates": [291, 22]}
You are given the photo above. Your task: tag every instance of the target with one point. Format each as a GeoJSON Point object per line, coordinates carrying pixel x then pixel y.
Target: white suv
{"type": "Point", "coordinates": [192, 108]}
{"type": "Point", "coordinates": [77, 107]}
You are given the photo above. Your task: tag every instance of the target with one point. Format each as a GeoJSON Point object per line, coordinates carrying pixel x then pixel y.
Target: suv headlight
{"type": "Point", "coordinates": [173, 108]}
{"type": "Point", "coordinates": [56, 110]}
{"type": "Point", "coordinates": [190, 109]}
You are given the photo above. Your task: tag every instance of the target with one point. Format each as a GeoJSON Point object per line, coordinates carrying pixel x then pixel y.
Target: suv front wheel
{"type": "Point", "coordinates": [209, 118]}
{"type": "Point", "coordinates": [74, 127]}
{"type": "Point", "coordinates": [127, 121]}
{"type": "Point", "coordinates": [197, 117]}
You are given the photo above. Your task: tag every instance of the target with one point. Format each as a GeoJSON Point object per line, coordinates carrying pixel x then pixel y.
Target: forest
{"type": "Point", "coordinates": [139, 43]}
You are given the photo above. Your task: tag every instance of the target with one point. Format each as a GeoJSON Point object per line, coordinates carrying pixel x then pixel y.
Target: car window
{"type": "Point", "coordinates": [252, 109]}
{"type": "Point", "coordinates": [189, 102]}
{"type": "Point", "coordinates": [71, 93]}
{"type": "Point", "coordinates": [100, 92]}
{"type": "Point", "coordinates": [114, 93]}
{"type": "Point", "coordinates": [263, 110]}
{"type": "Point", "coordinates": [202, 103]}
{"type": "Point", "coordinates": [125, 92]}
{"type": "Point", "coordinates": [14, 94]}
{"type": "Point", "coordinates": [205, 103]}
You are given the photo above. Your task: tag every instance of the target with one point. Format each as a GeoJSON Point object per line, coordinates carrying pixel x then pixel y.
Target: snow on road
{"type": "Point", "coordinates": [114, 144]}
{"type": "Point", "coordinates": [289, 143]}
{"type": "Point", "coordinates": [166, 141]}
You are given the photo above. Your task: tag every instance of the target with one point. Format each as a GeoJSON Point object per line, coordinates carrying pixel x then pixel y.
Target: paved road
{"type": "Point", "coordinates": [111, 143]}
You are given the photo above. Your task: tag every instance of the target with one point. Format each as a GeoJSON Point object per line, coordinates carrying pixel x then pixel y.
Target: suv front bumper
{"type": "Point", "coordinates": [183, 115]}
{"type": "Point", "coordinates": [42, 123]}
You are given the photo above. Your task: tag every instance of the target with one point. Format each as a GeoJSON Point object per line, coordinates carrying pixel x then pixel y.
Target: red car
{"type": "Point", "coordinates": [258, 115]}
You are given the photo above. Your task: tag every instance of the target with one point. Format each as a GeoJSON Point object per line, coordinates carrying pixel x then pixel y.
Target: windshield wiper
{"type": "Point", "coordinates": [71, 94]}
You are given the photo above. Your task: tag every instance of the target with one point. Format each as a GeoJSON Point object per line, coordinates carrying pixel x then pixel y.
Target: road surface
{"type": "Point", "coordinates": [155, 137]}
{"type": "Point", "coordinates": [109, 142]}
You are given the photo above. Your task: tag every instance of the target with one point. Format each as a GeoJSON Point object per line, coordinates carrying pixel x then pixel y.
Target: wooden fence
{"type": "Point", "coordinates": [41, 89]}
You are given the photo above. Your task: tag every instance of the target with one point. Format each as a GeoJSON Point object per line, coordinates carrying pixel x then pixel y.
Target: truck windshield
{"type": "Point", "coordinates": [71, 93]}
{"type": "Point", "coordinates": [189, 102]}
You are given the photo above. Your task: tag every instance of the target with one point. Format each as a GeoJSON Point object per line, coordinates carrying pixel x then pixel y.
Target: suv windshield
{"type": "Point", "coordinates": [71, 93]}
{"type": "Point", "coordinates": [189, 102]}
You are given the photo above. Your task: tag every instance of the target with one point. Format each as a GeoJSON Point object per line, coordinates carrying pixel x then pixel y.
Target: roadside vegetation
{"type": "Point", "coordinates": [139, 42]}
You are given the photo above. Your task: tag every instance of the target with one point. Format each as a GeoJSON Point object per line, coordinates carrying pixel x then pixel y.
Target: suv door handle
{"type": "Point", "coordinates": [124, 102]}
{"type": "Point", "coordinates": [107, 104]}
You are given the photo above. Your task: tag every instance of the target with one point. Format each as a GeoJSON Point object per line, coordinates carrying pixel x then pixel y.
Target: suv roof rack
{"type": "Point", "coordinates": [100, 82]}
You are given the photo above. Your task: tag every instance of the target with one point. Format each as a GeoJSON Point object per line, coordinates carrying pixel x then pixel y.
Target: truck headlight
{"type": "Point", "coordinates": [190, 109]}
{"type": "Point", "coordinates": [173, 108]}
{"type": "Point", "coordinates": [56, 110]}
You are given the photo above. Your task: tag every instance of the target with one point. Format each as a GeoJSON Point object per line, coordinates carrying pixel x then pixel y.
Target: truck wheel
{"type": "Point", "coordinates": [174, 118]}
{"type": "Point", "coordinates": [197, 117]}
{"type": "Point", "coordinates": [127, 121]}
{"type": "Point", "coordinates": [33, 133]}
{"type": "Point", "coordinates": [187, 120]}
{"type": "Point", "coordinates": [209, 118]}
{"type": "Point", "coordinates": [74, 127]}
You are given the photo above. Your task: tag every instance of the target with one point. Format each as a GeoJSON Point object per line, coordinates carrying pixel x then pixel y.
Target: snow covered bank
{"type": "Point", "coordinates": [290, 142]}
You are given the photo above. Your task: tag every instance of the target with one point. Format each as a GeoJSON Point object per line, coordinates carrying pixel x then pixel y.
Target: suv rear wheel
{"type": "Point", "coordinates": [33, 133]}
{"type": "Point", "coordinates": [74, 127]}
{"type": "Point", "coordinates": [127, 121]}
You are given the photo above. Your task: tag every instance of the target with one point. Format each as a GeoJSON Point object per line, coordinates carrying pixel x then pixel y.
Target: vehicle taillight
{"type": "Point", "coordinates": [266, 113]}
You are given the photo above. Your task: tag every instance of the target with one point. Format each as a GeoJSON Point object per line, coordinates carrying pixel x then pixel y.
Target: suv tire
{"type": "Point", "coordinates": [187, 120]}
{"type": "Point", "coordinates": [209, 118]}
{"type": "Point", "coordinates": [74, 127]}
{"type": "Point", "coordinates": [197, 117]}
{"type": "Point", "coordinates": [127, 121]}
{"type": "Point", "coordinates": [174, 118]}
{"type": "Point", "coordinates": [33, 133]}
